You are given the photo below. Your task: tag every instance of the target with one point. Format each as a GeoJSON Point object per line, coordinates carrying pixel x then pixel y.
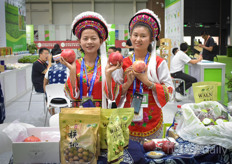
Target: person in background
{"type": "Point", "coordinates": [119, 50]}
{"type": "Point", "coordinates": [155, 82]}
{"type": "Point", "coordinates": [174, 50]}
{"type": "Point", "coordinates": [56, 50]}
{"type": "Point", "coordinates": [39, 69]}
{"type": "Point", "coordinates": [57, 74]}
{"type": "Point", "coordinates": [129, 45]}
{"type": "Point", "coordinates": [87, 73]}
{"type": "Point", "coordinates": [207, 53]}
{"type": "Point", "coordinates": [177, 67]}
{"type": "Point", "coordinates": [111, 49]}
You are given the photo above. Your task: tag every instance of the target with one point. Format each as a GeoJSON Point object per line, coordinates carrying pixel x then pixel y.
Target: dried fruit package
{"type": "Point", "coordinates": [81, 110]}
{"type": "Point", "coordinates": [79, 136]}
{"type": "Point", "coordinates": [125, 114]}
{"type": "Point", "coordinates": [115, 139]}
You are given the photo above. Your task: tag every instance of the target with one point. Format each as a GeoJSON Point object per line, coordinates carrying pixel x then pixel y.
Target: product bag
{"type": "Point", "coordinates": [190, 126]}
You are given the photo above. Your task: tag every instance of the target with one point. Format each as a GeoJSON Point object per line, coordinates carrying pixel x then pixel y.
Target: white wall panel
{"type": "Point", "coordinates": [140, 6]}
{"type": "Point", "coordinates": [2, 25]}
{"type": "Point", "coordinates": [39, 18]}
{"type": "Point", "coordinates": [28, 18]}
{"type": "Point", "coordinates": [80, 7]}
{"type": "Point", "coordinates": [106, 10]}
{"type": "Point", "coordinates": [52, 34]}
{"type": "Point", "coordinates": [62, 13]}
{"type": "Point", "coordinates": [39, 6]}
{"type": "Point", "coordinates": [41, 33]}
{"type": "Point", "coordinates": [123, 13]}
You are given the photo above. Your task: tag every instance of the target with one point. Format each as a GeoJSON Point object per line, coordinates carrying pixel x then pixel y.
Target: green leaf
{"type": "Point", "coordinates": [144, 124]}
{"type": "Point", "coordinates": [150, 117]}
{"type": "Point", "coordinates": [132, 124]}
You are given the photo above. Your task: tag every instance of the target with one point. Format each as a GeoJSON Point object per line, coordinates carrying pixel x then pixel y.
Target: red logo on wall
{"type": "Point", "coordinates": [63, 44]}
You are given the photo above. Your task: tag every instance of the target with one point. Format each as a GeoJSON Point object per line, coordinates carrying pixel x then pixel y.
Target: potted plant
{"type": "Point", "coordinates": [229, 86]}
{"type": "Point", "coordinates": [32, 48]}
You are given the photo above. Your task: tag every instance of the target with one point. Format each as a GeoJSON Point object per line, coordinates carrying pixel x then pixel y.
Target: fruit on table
{"type": "Point", "coordinates": [139, 66]}
{"type": "Point", "coordinates": [32, 139]}
{"type": "Point", "coordinates": [149, 145]}
{"type": "Point", "coordinates": [168, 147]}
{"type": "Point", "coordinates": [208, 121]}
{"type": "Point", "coordinates": [204, 110]}
{"type": "Point", "coordinates": [115, 57]}
{"type": "Point", "coordinates": [78, 154]}
{"type": "Point", "coordinates": [68, 55]}
{"type": "Point", "coordinates": [155, 153]}
{"type": "Point", "coordinates": [218, 121]}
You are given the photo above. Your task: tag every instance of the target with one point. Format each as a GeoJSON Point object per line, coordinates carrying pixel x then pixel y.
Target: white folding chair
{"type": "Point", "coordinates": [56, 91]}
{"type": "Point", "coordinates": [176, 83]}
{"type": "Point", "coordinates": [33, 92]}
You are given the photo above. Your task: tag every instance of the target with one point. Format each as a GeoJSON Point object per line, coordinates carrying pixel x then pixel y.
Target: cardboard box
{"type": "Point", "coordinates": [38, 152]}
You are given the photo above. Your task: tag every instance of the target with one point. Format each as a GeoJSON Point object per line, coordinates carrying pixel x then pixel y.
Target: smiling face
{"type": "Point", "coordinates": [90, 41]}
{"type": "Point", "coordinates": [140, 38]}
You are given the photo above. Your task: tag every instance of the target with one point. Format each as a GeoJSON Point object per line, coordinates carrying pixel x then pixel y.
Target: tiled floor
{"type": "Point", "coordinates": [18, 110]}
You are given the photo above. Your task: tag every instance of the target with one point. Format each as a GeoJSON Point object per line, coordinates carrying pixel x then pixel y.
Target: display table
{"type": "Point", "coordinates": [187, 152]}
{"type": "Point", "coordinates": [16, 82]}
{"type": "Point", "coordinates": [209, 71]}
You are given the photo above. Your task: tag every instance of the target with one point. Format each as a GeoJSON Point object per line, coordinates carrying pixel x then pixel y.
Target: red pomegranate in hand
{"type": "Point", "coordinates": [115, 57]}
{"type": "Point", "coordinates": [32, 139]}
{"type": "Point", "coordinates": [149, 145]}
{"type": "Point", "coordinates": [68, 55]}
{"type": "Point", "coordinates": [139, 66]}
{"type": "Point", "coordinates": [168, 147]}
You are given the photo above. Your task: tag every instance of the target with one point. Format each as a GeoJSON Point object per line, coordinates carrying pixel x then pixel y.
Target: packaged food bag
{"type": "Point", "coordinates": [205, 91]}
{"type": "Point", "coordinates": [91, 111]}
{"type": "Point", "coordinates": [81, 110]}
{"type": "Point", "coordinates": [125, 114]}
{"type": "Point", "coordinates": [79, 137]}
{"type": "Point", "coordinates": [192, 127]}
{"type": "Point", "coordinates": [115, 139]}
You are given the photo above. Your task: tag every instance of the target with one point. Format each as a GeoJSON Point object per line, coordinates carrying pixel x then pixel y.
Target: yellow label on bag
{"type": "Point", "coordinates": [205, 91]}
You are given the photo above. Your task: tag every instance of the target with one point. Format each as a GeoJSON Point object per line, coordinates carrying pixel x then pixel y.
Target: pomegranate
{"type": "Point", "coordinates": [115, 57]}
{"type": "Point", "coordinates": [168, 147]}
{"type": "Point", "coordinates": [149, 145]}
{"type": "Point", "coordinates": [139, 66]}
{"type": "Point", "coordinates": [32, 139]}
{"type": "Point", "coordinates": [68, 55]}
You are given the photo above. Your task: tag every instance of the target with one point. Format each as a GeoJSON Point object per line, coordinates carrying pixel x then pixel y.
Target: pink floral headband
{"type": "Point", "coordinates": [90, 20]}
{"type": "Point", "coordinates": [148, 17]}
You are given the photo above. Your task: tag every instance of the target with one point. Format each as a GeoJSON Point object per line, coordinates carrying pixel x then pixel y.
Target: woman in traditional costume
{"type": "Point", "coordinates": [87, 73]}
{"type": "Point", "coordinates": [154, 83]}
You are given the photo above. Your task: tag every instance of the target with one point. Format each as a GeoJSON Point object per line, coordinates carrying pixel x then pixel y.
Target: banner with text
{"type": "Point", "coordinates": [174, 21]}
{"type": "Point", "coordinates": [15, 14]}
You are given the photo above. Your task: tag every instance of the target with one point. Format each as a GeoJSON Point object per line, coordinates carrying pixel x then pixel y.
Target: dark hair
{"type": "Point", "coordinates": [183, 46]}
{"type": "Point", "coordinates": [41, 50]}
{"type": "Point", "coordinates": [113, 48]}
{"type": "Point", "coordinates": [56, 46]}
{"type": "Point", "coordinates": [119, 49]}
{"type": "Point", "coordinates": [56, 49]}
{"type": "Point", "coordinates": [140, 24]}
{"type": "Point", "coordinates": [174, 50]}
{"type": "Point", "coordinates": [204, 33]}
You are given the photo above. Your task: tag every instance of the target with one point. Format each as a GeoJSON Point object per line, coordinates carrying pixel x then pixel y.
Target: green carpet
{"type": "Point", "coordinates": [228, 62]}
